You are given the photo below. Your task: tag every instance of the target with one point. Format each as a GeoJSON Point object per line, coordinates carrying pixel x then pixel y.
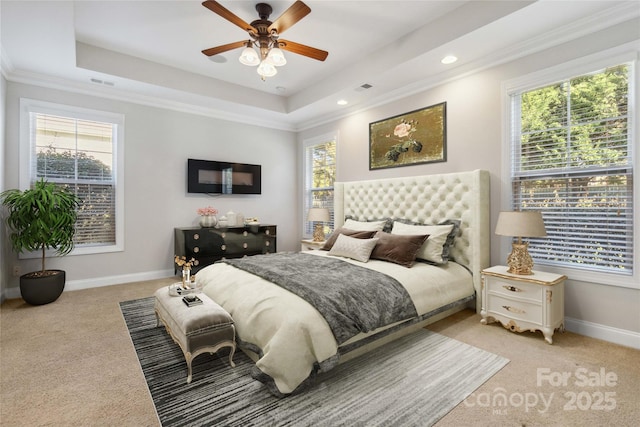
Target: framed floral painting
{"type": "Point", "coordinates": [416, 137]}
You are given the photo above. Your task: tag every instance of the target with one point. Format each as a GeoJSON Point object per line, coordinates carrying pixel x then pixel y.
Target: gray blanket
{"type": "Point", "coordinates": [351, 298]}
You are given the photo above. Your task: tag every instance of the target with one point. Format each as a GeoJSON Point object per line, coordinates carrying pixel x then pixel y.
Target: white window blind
{"type": "Point", "coordinates": [571, 159]}
{"type": "Point", "coordinates": [77, 149]}
{"type": "Point", "coordinates": [319, 176]}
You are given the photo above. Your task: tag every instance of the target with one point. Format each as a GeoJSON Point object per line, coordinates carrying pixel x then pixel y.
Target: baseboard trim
{"type": "Point", "coordinates": [607, 333]}
{"type": "Point", "coordinates": [76, 285]}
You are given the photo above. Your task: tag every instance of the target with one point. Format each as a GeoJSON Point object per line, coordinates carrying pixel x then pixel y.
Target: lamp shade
{"type": "Point", "coordinates": [266, 69]}
{"type": "Point", "coordinates": [249, 57]}
{"type": "Point", "coordinates": [521, 224]}
{"type": "Point", "coordinates": [277, 57]}
{"type": "Point", "coordinates": [318, 214]}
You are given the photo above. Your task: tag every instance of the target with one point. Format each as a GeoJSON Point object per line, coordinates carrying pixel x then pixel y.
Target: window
{"type": "Point", "coordinates": [78, 149]}
{"type": "Point", "coordinates": [319, 170]}
{"type": "Point", "coordinates": [571, 158]}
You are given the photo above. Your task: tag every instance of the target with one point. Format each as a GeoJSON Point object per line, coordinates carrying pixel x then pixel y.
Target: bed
{"type": "Point", "coordinates": [292, 337]}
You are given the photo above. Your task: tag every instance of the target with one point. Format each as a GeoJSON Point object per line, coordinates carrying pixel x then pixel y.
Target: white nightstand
{"type": "Point", "coordinates": [523, 303]}
{"type": "Point", "coordinates": [308, 245]}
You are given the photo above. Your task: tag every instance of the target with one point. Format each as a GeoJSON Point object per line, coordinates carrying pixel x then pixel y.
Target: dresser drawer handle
{"type": "Point", "coordinates": [513, 309]}
{"type": "Point", "coordinates": [512, 288]}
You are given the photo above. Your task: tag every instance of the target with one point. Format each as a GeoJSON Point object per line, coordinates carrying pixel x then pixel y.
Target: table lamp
{"type": "Point", "coordinates": [520, 224]}
{"type": "Point", "coordinates": [318, 215]}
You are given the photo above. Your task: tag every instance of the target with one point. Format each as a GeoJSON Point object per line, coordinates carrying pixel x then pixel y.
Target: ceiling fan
{"type": "Point", "coordinates": [265, 36]}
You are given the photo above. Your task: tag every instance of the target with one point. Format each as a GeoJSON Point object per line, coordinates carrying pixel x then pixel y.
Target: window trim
{"type": "Point", "coordinates": [627, 53]}
{"type": "Point", "coordinates": [330, 136]}
{"type": "Point", "coordinates": [28, 106]}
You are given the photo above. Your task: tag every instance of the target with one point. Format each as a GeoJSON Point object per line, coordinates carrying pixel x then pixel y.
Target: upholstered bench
{"type": "Point", "coordinates": [197, 329]}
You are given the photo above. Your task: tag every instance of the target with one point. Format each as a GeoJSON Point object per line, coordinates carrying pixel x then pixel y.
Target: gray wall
{"type": "Point", "coordinates": [157, 145]}
{"type": "Point", "coordinates": [475, 140]}
{"type": "Point", "coordinates": [4, 277]}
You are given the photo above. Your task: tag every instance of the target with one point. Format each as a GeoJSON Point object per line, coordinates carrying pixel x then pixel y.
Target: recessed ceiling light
{"type": "Point", "coordinates": [342, 102]}
{"type": "Point", "coordinates": [449, 59]}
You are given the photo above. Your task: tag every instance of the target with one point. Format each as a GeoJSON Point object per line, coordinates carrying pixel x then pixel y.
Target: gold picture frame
{"type": "Point", "coordinates": [412, 138]}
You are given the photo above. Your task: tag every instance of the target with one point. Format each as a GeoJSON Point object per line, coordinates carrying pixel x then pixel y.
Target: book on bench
{"type": "Point", "coordinates": [191, 300]}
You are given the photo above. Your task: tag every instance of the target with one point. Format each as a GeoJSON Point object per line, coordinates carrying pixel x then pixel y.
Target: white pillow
{"type": "Point", "coordinates": [350, 247]}
{"type": "Point", "coordinates": [352, 224]}
{"type": "Point", "coordinates": [434, 245]}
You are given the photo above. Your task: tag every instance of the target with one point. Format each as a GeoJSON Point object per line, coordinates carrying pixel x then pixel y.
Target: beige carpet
{"type": "Point", "coordinates": [71, 363]}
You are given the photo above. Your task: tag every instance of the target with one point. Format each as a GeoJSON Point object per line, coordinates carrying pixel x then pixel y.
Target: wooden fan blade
{"type": "Point", "coordinates": [219, 49]}
{"type": "Point", "coordinates": [296, 12]}
{"type": "Point", "coordinates": [216, 7]}
{"type": "Point", "coordinates": [301, 49]}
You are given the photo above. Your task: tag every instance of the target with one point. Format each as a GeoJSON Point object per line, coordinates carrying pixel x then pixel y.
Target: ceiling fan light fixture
{"type": "Point", "coordinates": [249, 57]}
{"type": "Point", "coordinates": [266, 69]}
{"type": "Point", "coordinates": [276, 56]}
{"type": "Point", "coordinates": [263, 47]}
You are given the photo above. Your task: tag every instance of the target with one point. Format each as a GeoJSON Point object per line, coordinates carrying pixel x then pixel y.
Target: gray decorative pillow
{"type": "Point", "coordinates": [350, 247]}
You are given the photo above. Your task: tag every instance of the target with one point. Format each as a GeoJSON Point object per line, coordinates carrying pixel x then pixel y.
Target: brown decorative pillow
{"type": "Point", "coordinates": [437, 248]}
{"type": "Point", "coordinates": [397, 248]}
{"type": "Point", "coordinates": [331, 240]}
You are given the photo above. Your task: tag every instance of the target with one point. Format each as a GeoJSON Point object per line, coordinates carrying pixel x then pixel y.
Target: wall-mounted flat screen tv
{"type": "Point", "coordinates": [207, 176]}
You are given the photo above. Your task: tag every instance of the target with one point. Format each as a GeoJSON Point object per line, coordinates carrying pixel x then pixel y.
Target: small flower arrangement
{"type": "Point", "coordinates": [208, 211]}
{"type": "Point", "coordinates": [181, 261]}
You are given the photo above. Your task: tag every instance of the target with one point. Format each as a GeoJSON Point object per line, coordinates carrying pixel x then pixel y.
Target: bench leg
{"type": "Point", "coordinates": [188, 358]}
{"type": "Point", "coordinates": [157, 318]}
{"type": "Point", "coordinates": [233, 350]}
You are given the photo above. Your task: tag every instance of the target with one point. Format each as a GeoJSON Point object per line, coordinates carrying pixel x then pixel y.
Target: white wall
{"type": "Point", "coordinates": [475, 141]}
{"type": "Point", "coordinates": [157, 145]}
{"type": "Point", "coordinates": [4, 249]}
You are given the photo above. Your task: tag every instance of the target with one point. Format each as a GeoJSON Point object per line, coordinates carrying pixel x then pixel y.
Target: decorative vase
{"type": "Point", "coordinates": [208, 221]}
{"type": "Point", "coordinates": [186, 278]}
{"type": "Point", "coordinates": [231, 219]}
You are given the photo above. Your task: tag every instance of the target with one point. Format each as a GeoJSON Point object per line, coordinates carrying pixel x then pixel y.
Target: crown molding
{"type": "Point", "coordinates": [90, 89]}
{"type": "Point", "coordinates": [6, 67]}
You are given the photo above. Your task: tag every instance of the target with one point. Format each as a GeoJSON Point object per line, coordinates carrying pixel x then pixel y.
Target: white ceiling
{"type": "Point", "coordinates": [150, 51]}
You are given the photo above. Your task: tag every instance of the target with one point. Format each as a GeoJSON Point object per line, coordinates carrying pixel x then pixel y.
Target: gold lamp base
{"type": "Point", "coordinates": [318, 233]}
{"type": "Point", "coordinates": [519, 260]}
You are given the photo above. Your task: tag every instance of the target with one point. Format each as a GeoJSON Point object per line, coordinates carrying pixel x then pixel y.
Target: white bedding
{"type": "Point", "coordinates": [291, 333]}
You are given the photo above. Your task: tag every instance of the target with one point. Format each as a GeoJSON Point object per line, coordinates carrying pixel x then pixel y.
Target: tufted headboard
{"type": "Point", "coordinates": [428, 199]}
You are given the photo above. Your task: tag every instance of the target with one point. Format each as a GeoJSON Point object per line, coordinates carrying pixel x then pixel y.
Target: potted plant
{"type": "Point", "coordinates": [41, 218]}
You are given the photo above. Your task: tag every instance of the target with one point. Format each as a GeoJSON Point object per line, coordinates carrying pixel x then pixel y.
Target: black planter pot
{"type": "Point", "coordinates": [40, 290]}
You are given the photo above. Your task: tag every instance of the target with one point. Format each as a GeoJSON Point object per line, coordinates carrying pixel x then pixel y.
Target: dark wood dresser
{"type": "Point", "coordinates": [208, 245]}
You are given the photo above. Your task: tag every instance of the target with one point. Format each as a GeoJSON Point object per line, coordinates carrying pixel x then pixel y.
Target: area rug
{"type": "Point", "coordinates": [415, 380]}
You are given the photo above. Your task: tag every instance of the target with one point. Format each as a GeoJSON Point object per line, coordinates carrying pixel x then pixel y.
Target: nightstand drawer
{"type": "Point", "coordinates": [518, 310]}
{"type": "Point", "coordinates": [513, 289]}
